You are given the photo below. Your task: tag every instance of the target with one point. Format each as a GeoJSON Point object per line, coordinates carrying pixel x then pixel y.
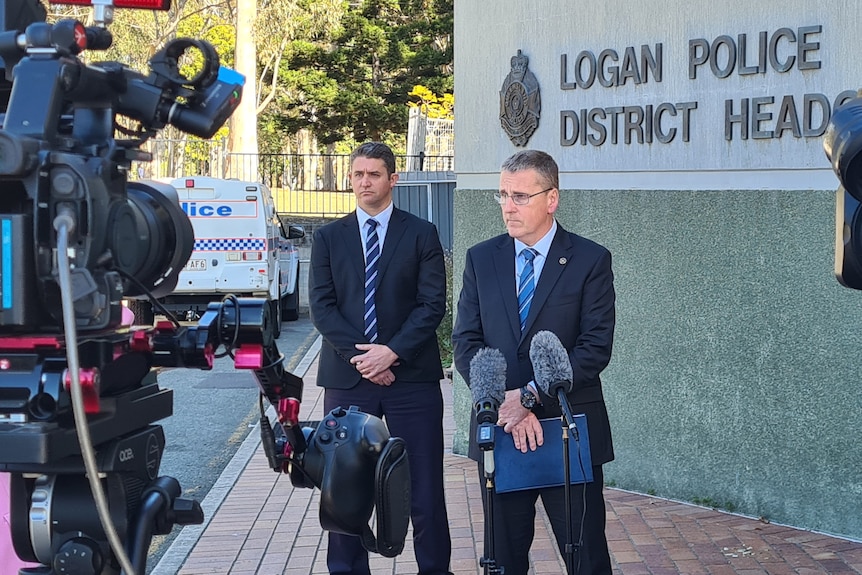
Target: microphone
{"type": "Point", "coordinates": [487, 383]}
{"type": "Point", "coordinates": [488, 388]}
{"type": "Point", "coordinates": [552, 371]}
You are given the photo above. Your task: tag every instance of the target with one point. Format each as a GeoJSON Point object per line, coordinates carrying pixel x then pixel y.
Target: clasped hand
{"type": "Point", "coordinates": [520, 422]}
{"type": "Point", "coordinates": [374, 365]}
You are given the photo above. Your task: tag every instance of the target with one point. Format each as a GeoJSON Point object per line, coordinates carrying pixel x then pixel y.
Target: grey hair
{"type": "Point", "coordinates": [541, 162]}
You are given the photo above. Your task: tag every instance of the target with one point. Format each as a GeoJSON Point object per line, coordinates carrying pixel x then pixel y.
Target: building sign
{"type": "Point", "coordinates": [696, 93]}
{"type": "Point", "coordinates": [757, 116]}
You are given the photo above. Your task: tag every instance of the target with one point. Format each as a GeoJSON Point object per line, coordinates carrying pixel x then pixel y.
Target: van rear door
{"type": "Point", "coordinates": [230, 251]}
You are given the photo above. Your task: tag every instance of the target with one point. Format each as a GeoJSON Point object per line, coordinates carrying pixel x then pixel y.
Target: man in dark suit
{"type": "Point", "coordinates": [563, 283]}
{"type": "Point", "coordinates": [377, 292]}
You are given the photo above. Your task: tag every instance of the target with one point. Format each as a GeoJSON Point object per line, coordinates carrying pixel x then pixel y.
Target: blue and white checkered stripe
{"type": "Point", "coordinates": [229, 244]}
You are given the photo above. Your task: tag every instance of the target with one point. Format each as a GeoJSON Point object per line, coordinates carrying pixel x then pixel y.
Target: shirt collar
{"type": "Point", "coordinates": [382, 218]}
{"type": "Point", "coordinates": [543, 246]}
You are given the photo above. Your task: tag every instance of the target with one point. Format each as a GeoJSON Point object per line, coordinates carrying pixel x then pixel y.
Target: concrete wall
{"type": "Point", "coordinates": [735, 374]}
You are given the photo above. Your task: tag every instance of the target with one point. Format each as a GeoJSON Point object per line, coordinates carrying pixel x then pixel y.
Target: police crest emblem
{"type": "Point", "coordinates": [520, 103]}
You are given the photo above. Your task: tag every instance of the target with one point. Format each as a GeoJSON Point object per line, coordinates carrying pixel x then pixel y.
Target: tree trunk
{"type": "Point", "coordinates": [329, 169]}
{"type": "Point", "coordinates": [243, 132]}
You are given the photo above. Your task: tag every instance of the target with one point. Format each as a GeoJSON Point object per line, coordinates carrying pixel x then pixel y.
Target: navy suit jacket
{"type": "Point", "coordinates": [410, 298]}
{"type": "Point", "coordinates": [574, 299]}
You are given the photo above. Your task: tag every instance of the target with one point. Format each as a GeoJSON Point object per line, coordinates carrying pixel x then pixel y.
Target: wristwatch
{"type": "Point", "coordinates": [528, 400]}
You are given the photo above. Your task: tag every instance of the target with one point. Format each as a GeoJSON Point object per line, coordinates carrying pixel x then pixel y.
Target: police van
{"type": "Point", "coordinates": [241, 248]}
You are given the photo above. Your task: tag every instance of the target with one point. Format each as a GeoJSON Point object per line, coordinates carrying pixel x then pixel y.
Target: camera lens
{"type": "Point", "coordinates": [163, 237]}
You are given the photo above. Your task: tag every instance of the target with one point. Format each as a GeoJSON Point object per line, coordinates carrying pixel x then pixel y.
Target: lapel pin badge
{"type": "Point", "coordinates": [563, 261]}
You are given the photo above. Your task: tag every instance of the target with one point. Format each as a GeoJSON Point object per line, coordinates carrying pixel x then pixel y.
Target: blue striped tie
{"type": "Point", "coordinates": [372, 256]}
{"type": "Point", "coordinates": [526, 286]}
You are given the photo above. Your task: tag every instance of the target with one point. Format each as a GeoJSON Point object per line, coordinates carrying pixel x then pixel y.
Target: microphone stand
{"type": "Point", "coordinates": [485, 441]}
{"type": "Point", "coordinates": [567, 421]}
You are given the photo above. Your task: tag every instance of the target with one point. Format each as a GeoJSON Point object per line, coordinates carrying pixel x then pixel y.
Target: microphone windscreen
{"type": "Point", "coordinates": [488, 376]}
{"type": "Point", "coordinates": [550, 360]}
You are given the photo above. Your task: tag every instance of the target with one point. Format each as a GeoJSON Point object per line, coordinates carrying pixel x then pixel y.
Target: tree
{"type": "Point", "coordinates": [355, 82]}
{"type": "Point", "coordinates": [283, 21]}
{"type": "Point", "coordinates": [332, 69]}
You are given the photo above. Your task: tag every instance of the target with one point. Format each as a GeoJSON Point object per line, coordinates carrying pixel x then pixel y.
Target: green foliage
{"type": "Point", "coordinates": [444, 330]}
{"type": "Point", "coordinates": [353, 81]}
{"type": "Point", "coordinates": [342, 70]}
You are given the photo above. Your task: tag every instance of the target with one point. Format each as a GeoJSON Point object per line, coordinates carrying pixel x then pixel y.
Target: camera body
{"type": "Point", "coordinates": [358, 467]}
{"type": "Point", "coordinates": [60, 164]}
{"type": "Point", "coordinates": [67, 207]}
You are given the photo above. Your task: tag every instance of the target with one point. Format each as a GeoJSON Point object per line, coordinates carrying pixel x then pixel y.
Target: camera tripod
{"type": "Point", "coordinates": [54, 521]}
{"type": "Point", "coordinates": [53, 515]}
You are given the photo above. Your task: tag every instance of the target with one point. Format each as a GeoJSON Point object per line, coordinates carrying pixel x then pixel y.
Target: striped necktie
{"type": "Point", "coordinates": [372, 256]}
{"type": "Point", "coordinates": [526, 286]}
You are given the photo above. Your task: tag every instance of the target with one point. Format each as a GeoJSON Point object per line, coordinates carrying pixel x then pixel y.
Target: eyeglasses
{"type": "Point", "coordinates": [518, 198]}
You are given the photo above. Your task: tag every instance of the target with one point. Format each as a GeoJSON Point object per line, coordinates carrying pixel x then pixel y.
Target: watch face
{"type": "Point", "coordinates": [528, 400]}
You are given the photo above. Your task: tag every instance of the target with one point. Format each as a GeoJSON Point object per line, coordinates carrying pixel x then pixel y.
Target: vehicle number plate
{"type": "Point", "coordinates": [196, 265]}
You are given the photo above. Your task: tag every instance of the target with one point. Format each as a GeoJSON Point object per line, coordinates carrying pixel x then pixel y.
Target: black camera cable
{"type": "Point", "coordinates": [229, 347]}
{"type": "Point", "coordinates": [153, 300]}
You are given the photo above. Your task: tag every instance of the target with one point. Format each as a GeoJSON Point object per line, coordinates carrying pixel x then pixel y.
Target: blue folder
{"type": "Point", "coordinates": [515, 471]}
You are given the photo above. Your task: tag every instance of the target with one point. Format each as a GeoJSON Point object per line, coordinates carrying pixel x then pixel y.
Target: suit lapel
{"type": "Point", "coordinates": [560, 254]}
{"type": "Point", "coordinates": [396, 229]}
{"type": "Point", "coordinates": [354, 249]}
{"type": "Point", "coordinates": [504, 264]}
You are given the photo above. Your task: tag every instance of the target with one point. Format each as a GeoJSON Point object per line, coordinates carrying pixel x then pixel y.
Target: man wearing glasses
{"type": "Point", "coordinates": [538, 277]}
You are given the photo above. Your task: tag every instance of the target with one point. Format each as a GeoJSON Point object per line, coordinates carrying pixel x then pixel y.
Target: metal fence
{"type": "Point", "coordinates": [429, 195]}
{"type": "Point", "coordinates": [307, 184]}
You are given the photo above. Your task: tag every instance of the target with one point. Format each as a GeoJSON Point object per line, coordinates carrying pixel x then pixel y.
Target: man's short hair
{"type": "Point", "coordinates": [375, 151]}
{"type": "Point", "coordinates": [541, 162]}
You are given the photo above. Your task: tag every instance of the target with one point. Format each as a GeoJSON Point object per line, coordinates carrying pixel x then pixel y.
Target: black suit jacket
{"type": "Point", "coordinates": [574, 299]}
{"type": "Point", "coordinates": [410, 298]}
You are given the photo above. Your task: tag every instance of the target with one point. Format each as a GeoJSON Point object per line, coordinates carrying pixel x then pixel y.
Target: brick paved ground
{"type": "Point", "coordinates": [258, 524]}
{"type": "Point", "coordinates": [655, 536]}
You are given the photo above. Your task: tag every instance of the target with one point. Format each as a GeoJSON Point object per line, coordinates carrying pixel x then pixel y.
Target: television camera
{"type": "Point", "coordinates": [843, 145]}
{"type": "Point", "coordinates": [76, 237]}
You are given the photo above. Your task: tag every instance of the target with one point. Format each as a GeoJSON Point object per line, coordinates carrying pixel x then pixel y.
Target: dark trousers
{"type": "Point", "coordinates": [515, 514]}
{"type": "Point", "coordinates": [413, 412]}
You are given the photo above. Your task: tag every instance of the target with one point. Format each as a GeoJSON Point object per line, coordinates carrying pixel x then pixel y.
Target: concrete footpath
{"type": "Point", "coordinates": [258, 524]}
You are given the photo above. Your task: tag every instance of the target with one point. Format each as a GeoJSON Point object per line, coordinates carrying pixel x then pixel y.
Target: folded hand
{"type": "Point", "coordinates": [376, 359]}
{"type": "Point", "coordinates": [383, 378]}
{"type": "Point", "coordinates": [511, 411]}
